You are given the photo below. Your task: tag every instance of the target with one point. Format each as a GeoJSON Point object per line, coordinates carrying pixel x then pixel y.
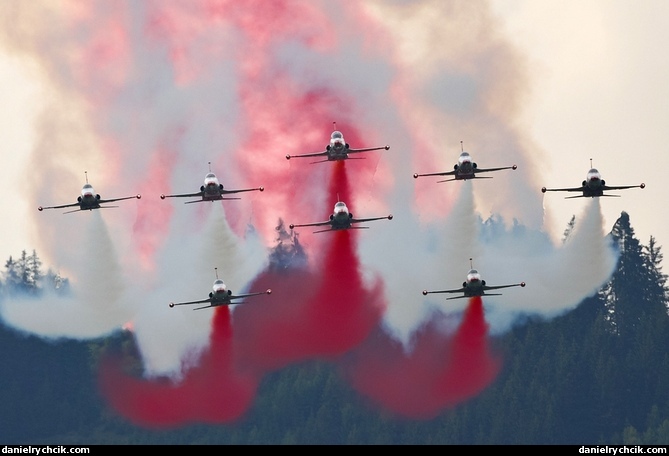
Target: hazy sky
{"type": "Point", "coordinates": [597, 91]}
{"type": "Point", "coordinates": [552, 84]}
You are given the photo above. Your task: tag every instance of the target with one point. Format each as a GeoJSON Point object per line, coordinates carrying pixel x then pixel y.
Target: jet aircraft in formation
{"type": "Point", "coordinates": [338, 149]}
{"type": "Point", "coordinates": [341, 219]}
{"type": "Point", "coordinates": [474, 286]}
{"type": "Point", "coordinates": [465, 169]}
{"type": "Point", "coordinates": [593, 186]}
{"type": "Point", "coordinates": [88, 200]}
{"type": "Point", "coordinates": [212, 190]}
{"type": "Point", "coordinates": [220, 296]}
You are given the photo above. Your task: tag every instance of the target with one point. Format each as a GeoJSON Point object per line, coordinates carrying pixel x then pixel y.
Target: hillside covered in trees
{"type": "Point", "coordinates": [595, 375]}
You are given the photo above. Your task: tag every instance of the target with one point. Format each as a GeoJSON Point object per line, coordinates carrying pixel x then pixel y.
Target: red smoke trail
{"type": "Point", "coordinates": [320, 313]}
{"type": "Point", "coordinates": [439, 373]}
{"type": "Point", "coordinates": [211, 392]}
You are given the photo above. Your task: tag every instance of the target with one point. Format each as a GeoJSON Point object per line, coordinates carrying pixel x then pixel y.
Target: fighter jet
{"type": "Point", "coordinates": [341, 219]}
{"type": "Point", "coordinates": [338, 149]}
{"type": "Point", "coordinates": [466, 168]}
{"type": "Point", "coordinates": [212, 190]}
{"type": "Point", "coordinates": [593, 186]}
{"type": "Point", "coordinates": [220, 296]}
{"type": "Point", "coordinates": [88, 200]}
{"type": "Point", "coordinates": [474, 286]}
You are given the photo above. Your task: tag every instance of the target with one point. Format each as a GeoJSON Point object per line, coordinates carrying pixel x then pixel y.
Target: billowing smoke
{"type": "Point", "coordinates": [215, 392]}
{"type": "Point", "coordinates": [147, 98]}
{"type": "Point", "coordinates": [442, 370]}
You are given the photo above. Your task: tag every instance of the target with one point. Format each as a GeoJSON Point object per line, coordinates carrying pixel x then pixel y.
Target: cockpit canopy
{"type": "Point", "coordinates": [340, 207]}
{"type": "Point", "coordinates": [473, 276]}
{"type": "Point", "coordinates": [210, 179]}
{"type": "Point", "coordinates": [87, 190]}
{"type": "Point", "coordinates": [464, 158]}
{"type": "Point", "coordinates": [593, 174]}
{"type": "Point", "coordinates": [337, 140]}
{"type": "Point", "coordinates": [219, 287]}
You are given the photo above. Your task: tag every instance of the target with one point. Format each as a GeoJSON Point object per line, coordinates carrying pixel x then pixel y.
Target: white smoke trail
{"type": "Point", "coordinates": [96, 306]}
{"type": "Point", "coordinates": [171, 340]}
{"type": "Point", "coordinates": [171, 102]}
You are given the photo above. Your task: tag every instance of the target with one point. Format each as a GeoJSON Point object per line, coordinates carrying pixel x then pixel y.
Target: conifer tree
{"type": "Point", "coordinates": [625, 291]}
{"type": "Point", "coordinates": [636, 296]}
{"type": "Point", "coordinates": [12, 274]}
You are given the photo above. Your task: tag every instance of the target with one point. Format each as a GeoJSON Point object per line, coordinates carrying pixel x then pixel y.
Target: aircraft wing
{"type": "Point", "coordinates": [183, 195]}
{"type": "Point", "coordinates": [455, 290]}
{"type": "Point", "coordinates": [623, 187]}
{"type": "Point", "coordinates": [497, 287]}
{"type": "Point", "coordinates": [389, 217]}
{"type": "Point", "coordinates": [102, 201]}
{"type": "Point", "coordinates": [226, 302]}
{"type": "Point", "coordinates": [202, 200]}
{"type": "Point", "coordinates": [487, 170]}
{"type": "Point", "coordinates": [199, 301]}
{"type": "Point", "coordinates": [59, 207]}
{"type": "Point", "coordinates": [261, 189]}
{"type": "Point", "coordinates": [566, 189]}
{"type": "Point", "coordinates": [367, 149]}
{"type": "Point", "coordinates": [268, 291]}
{"type": "Point", "coordinates": [314, 154]}
{"type": "Point", "coordinates": [445, 173]}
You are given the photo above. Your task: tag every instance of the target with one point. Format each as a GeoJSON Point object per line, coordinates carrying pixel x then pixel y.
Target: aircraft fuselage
{"type": "Point", "coordinates": [88, 200]}
{"type": "Point", "coordinates": [465, 168]}
{"type": "Point", "coordinates": [337, 149]}
{"type": "Point", "coordinates": [341, 217]}
{"type": "Point", "coordinates": [593, 185]}
{"type": "Point", "coordinates": [212, 188]}
{"type": "Point", "coordinates": [473, 286]}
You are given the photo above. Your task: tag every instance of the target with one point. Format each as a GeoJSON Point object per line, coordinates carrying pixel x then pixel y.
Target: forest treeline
{"type": "Point", "coordinates": [595, 375]}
